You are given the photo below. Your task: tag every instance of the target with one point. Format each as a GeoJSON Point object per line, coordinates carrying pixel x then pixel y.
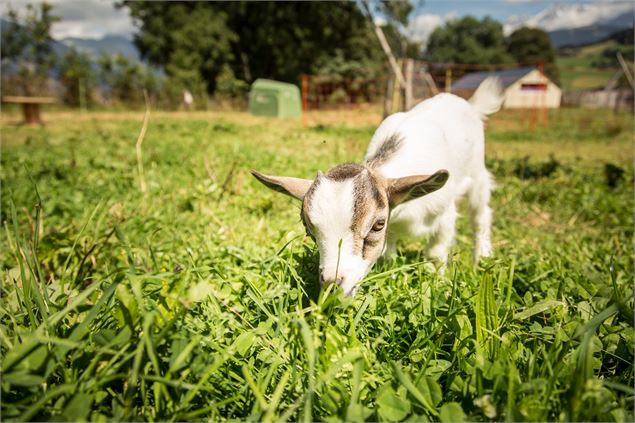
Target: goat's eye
{"type": "Point", "coordinates": [379, 225]}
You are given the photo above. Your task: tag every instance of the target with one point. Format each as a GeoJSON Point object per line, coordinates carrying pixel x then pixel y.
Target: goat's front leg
{"type": "Point", "coordinates": [481, 214]}
{"type": "Point", "coordinates": [443, 238]}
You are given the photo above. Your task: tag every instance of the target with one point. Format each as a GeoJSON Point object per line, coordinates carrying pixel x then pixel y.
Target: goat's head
{"type": "Point", "coordinates": [346, 212]}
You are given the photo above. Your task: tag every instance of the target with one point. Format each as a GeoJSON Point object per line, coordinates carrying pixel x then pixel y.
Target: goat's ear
{"type": "Point", "coordinates": [411, 187]}
{"type": "Point", "coordinates": [295, 187]}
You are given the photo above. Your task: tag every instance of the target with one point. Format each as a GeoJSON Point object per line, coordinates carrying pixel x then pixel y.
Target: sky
{"type": "Point", "coordinates": [96, 18]}
{"type": "Point", "coordinates": [429, 14]}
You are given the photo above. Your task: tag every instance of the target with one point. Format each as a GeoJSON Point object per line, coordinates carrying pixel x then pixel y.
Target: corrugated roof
{"type": "Point", "coordinates": [507, 77]}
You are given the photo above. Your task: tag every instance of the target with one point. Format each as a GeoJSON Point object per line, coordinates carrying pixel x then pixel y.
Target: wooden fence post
{"type": "Point", "coordinates": [390, 84]}
{"type": "Point", "coordinates": [408, 95]}
{"type": "Point", "coordinates": [305, 99]}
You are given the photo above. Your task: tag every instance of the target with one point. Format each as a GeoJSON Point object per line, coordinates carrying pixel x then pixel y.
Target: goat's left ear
{"type": "Point", "coordinates": [295, 187]}
{"type": "Point", "coordinates": [411, 187]}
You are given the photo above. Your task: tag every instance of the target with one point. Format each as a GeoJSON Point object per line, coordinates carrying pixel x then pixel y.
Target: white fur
{"type": "Point", "coordinates": [444, 132]}
{"type": "Point", "coordinates": [488, 97]}
{"type": "Point", "coordinates": [330, 214]}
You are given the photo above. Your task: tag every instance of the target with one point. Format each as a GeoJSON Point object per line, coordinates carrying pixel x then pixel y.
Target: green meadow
{"type": "Point", "coordinates": [177, 288]}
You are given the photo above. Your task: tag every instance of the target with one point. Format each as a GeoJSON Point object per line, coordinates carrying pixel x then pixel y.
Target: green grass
{"type": "Point", "coordinates": [197, 300]}
{"type": "Point", "coordinates": [577, 71]}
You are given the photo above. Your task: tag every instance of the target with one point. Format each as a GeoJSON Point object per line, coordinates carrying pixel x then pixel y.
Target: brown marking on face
{"type": "Point", "coordinates": [306, 205]}
{"type": "Point", "coordinates": [386, 150]}
{"type": "Point", "coordinates": [370, 203]}
{"type": "Point", "coordinates": [344, 171]}
{"type": "Point", "coordinates": [373, 246]}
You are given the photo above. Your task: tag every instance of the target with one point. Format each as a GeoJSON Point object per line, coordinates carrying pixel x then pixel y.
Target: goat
{"type": "Point", "coordinates": [418, 165]}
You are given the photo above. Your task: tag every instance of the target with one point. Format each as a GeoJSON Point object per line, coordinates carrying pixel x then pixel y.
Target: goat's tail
{"type": "Point", "coordinates": [488, 97]}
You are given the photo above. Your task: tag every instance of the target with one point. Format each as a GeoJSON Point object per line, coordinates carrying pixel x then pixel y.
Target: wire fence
{"type": "Point", "coordinates": [534, 87]}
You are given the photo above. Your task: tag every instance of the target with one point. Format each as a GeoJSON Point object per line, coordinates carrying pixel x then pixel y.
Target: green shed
{"type": "Point", "coordinates": [273, 98]}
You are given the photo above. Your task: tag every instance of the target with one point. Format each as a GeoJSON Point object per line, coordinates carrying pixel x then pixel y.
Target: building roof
{"type": "Point", "coordinates": [507, 77]}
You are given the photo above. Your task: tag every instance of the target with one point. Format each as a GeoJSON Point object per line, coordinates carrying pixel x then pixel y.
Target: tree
{"type": "Point", "coordinates": [196, 41]}
{"type": "Point", "coordinates": [607, 58]}
{"type": "Point", "coordinates": [468, 40]}
{"type": "Point", "coordinates": [400, 45]}
{"type": "Point", "coordinates": [284, 40]}
{"type": "Point", "coordinates": [126, 79]}
{"type": "Point", "coordinates": [77, 78]}
{"type": "Point", "coordinates": [397, 11]}
{"type": "Point", "coordinates": [190, 40]}
{"type": "Point", "coordinates": [27, 45]}
{"type": "Point", "coordinates": [531, 46]}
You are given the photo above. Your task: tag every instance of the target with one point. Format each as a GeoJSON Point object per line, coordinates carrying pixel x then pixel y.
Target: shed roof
{"type": "Point", "coordinates": [269, 84]}
{"type": "Point", "coordinates": [507, 78]}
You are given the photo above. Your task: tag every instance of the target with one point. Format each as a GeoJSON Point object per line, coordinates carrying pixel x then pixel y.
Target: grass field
{"type": "Point", "coordinates": [197, 299]}
{"type": "Point", "coordinates": [577, 71]}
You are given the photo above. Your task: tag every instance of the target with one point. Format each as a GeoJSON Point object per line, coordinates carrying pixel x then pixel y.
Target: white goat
{"type": "Point", "coordinates": [418, 164]}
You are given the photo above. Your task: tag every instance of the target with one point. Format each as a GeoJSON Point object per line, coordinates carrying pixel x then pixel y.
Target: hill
{"type": "Point", "coordinates": [594, 65]}
{"type": "Point", "coordinates": [590, 34]}
{"type": "Point", "coordinates": [109, 44]}
{"type": "Point", "coordinates": [577, 24]}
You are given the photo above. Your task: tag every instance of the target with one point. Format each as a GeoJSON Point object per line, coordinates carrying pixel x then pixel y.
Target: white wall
{"type": "Point", "coordinates": [516, 97]}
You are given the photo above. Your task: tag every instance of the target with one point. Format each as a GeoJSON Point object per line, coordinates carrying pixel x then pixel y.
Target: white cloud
{"type": "Point", "coordinates": [564, 16]}
{"type": "Point", "coordinates": [380, 20]}
{"type": "Point", "coordinates": [421, 26]}
{"type": "Point", "coordinates": [83, 18]}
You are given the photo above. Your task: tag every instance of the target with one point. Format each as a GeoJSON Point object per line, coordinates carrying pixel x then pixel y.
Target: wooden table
{"type": "Point", "coordinates": [30, 107]}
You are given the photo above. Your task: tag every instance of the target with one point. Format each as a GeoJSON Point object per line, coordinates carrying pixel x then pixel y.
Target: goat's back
{"type": "Point", "coordinates": [444, 132]}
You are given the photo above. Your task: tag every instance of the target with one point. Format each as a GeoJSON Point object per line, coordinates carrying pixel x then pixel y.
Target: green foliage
{"type": "Point", "coordinates": [608, 57]}
{"type": "Point", "coordinates": [196, 41]}
{"type": "Point", "coordinates": [126, 79]}
{"type": "Point", "coordinates": [189, 39]}
{"type": "Point", "coordinates": [284, 40]}
{"type": "Point", "coordinates": [397, 11]}
{"type": "Point", "coordinates": [231, 89]}
{"type": "Point", "coordinates": [26, 43]}
{"type": "Point", "coordinates": [577, 70]}
{"type": "Point", "coordinates": [531, 46]}
{"type": "Point", "coordinates": [401, 46]}
{"type": "Point", "coordinates": [624, 37]}
{"type": "Point", "coordinates": [468, 40]}
{"type": "Point", "coordinates": [77, 78]}
{"type": "Point", "coordinates": [198, 300]}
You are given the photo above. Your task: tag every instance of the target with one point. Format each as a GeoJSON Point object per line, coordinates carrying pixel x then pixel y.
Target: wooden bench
{"type": "Point", "coordinates": [30, 107]}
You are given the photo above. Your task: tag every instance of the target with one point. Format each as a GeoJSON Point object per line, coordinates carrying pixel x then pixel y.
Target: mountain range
{"type": "Point", "coordinates": [109, 44]}
{"type": "Point", "coordinates": [577, 24]}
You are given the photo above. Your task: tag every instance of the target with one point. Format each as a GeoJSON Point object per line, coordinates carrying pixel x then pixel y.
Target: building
{"type": "Point", "coordinates": [617, 99]}
{"type": "Point", "coordinates": [273, 98]}
{"type": "Point", "coordinates": [525, 88]}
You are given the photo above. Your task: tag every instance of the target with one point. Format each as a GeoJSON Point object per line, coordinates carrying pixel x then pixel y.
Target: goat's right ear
{"type": "Point", "coordinates": [295, 187]}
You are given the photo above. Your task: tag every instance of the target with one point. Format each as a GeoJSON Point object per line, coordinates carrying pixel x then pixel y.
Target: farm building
{"type": "Point", "coordinates": [595, 99]}
{"type": "Point", "coordinates": [273, 98]}
{"type": "Point", "coordinates": [524, 87]}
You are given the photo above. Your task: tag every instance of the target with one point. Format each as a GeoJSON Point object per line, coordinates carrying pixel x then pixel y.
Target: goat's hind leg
{"type": "Point", "coordinates": [481, 215]}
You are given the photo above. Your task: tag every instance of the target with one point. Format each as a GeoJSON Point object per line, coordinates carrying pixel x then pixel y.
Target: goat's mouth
{"type": "Point", "coordinates": [349, 286]}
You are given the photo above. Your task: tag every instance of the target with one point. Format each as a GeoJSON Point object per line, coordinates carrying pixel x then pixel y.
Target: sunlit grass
{"type": "Point", "coordinates": [198, 300]}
